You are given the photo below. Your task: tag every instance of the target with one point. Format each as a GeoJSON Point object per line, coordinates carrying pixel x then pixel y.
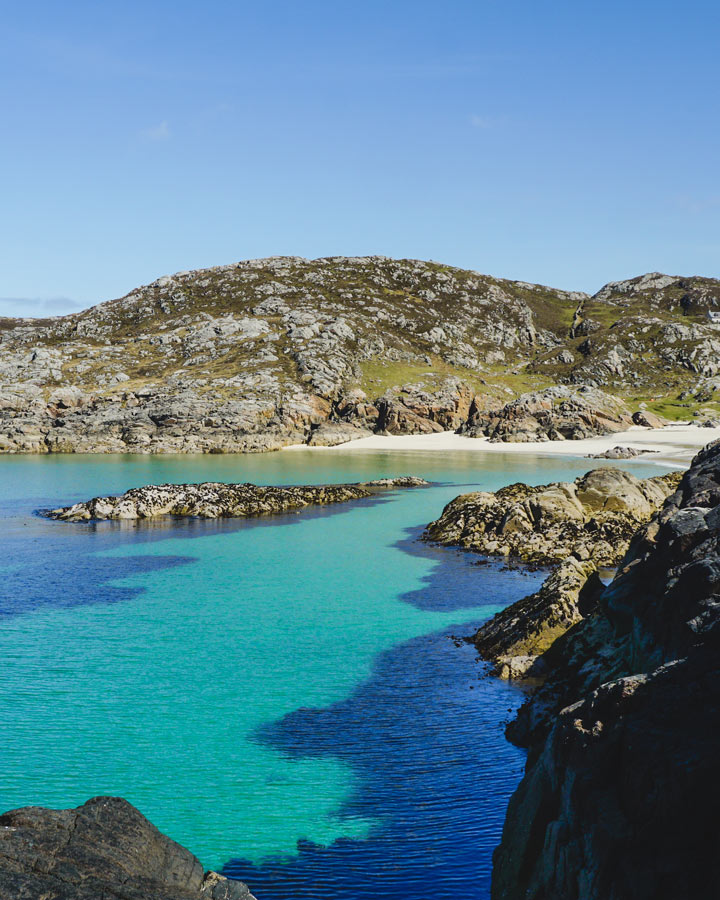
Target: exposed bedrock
{"type": "Point", "coordinates": [620, 794]}
{"type": "Point", "coordinates": [260, 354]}
{"type": "Point", "coordinates": [557, 413]}
{"type": "Point", "coordinates": [593, 517]}
{"type": "Point", "coordinates": [216, 500]}
{"type": "Point", "coordinates": [103, 850]}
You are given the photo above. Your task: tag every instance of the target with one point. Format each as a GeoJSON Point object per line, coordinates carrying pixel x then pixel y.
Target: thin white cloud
{"type": "Point", "coordinates": [159, 132]}
{"type": "Point", "coordinates": [697, 205]}
{"type": "Point", "coordinates": [481, 121]}
{"type": "Point", "coordinates": [37, 307]}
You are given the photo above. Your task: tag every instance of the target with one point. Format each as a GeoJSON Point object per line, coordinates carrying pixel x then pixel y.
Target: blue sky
{"type": "Point", "coordinates": [565, 143]}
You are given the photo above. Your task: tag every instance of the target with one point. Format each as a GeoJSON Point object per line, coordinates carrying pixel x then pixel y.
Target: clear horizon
{"type": "Point", "coordinates": [539, 142]}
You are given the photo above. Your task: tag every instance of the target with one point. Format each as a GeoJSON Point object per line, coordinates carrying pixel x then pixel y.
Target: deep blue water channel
{"type": "Point", "coordinates": [286, 697]}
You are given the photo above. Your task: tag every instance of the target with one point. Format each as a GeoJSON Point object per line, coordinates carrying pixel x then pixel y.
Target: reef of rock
{"type": "Point", "coordinates": [576, 526]}
{"type": "Point", "coordinates": [620, 793]}
{"type": "Point", "coordinates": [103, 850]}
{"type": "Point", "coordinates": [216, 500]}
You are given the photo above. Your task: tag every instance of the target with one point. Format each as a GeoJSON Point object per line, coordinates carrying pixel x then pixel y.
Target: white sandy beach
{"type": "Point", "coordinates": [673, 444]}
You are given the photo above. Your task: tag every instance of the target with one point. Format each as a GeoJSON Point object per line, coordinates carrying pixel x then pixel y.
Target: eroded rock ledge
{"type": "Point", "coordinates": [103, 850]}
{"type": "Point", "coordinates": [577, 526]}
{"type": "Point", "coordinates": [620, 794]}
{"type": "Point", "coordinates": [215, 500]}
{"type": "Point", "coordinates": [593, 517]}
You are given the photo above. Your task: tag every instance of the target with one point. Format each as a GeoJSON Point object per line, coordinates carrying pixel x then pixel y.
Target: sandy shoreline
{"type": "Point", "coordinates": [676, 444]}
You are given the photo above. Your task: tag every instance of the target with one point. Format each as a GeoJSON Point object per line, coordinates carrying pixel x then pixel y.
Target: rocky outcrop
{"type": "Point", "coordinates": [557, 413]}
{"type": "Point", "coordinates": [215, 500]}
{"type": "Point", "coordinates": [648, 419]}
{"type": "Point", "coordinates": [515, 638]}
{"type": "Point", "coordinates": [103, 849]}
{"type": "Point", "coordinates": [592, 518]}
{"type": "Point", "coordinates": [620, 792]}
{"type": "Point", "coordinates": [620, 453]}
{"type": "Point", "coordinates": [261, 354]}
{"type": "Point", "coordinates": [578, 526]}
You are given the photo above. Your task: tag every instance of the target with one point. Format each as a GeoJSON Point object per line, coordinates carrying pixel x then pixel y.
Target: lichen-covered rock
{"type": "Point", "coordinates": [620, 793]}
{"type": "Point", "coordinates": [557, 413]}
{"type": "Point", "coordinates": [255, 355]}
{"type": "Point", "coordinates": [593, 517]}
{"type": "Point", "coordinates": [215, 500]}
{"type": "Point", "coordinates": [515, 637]}
{"type": "Point", "coordinates": [103, 850]}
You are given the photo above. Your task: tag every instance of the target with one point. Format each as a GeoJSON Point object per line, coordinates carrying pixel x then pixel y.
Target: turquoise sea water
{"type": "Point", "coordinates": [280, 695]}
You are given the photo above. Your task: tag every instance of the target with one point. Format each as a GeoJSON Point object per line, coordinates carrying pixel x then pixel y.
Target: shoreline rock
{"type": "Point", "coordinates": [619, 452]}
{"type": "Point", "coordinates": [578, 527]}
{"type": "Point", "coordinates": [103, 849]}
{"type": "Point", "coordinates": [557, 413]}
{"type": "Point", "coordinates": [215, 500]}
{"type": "Point", "coordinates": [593, 517]}
{"type": "Point", "coordinates": [620, 793]}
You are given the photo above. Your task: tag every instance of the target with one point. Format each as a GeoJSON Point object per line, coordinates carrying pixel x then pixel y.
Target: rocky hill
{"type": "Point", "coordinates": [263, 353]}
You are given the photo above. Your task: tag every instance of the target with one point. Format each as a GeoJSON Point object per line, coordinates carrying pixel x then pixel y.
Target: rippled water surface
{"type": "Point", "coordinates": [283, 696]}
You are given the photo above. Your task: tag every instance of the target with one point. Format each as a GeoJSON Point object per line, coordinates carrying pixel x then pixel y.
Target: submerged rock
{"type": "Point", "coordinates": [216, 500]}
{"type": "Point", "coordinates": [103, 850]}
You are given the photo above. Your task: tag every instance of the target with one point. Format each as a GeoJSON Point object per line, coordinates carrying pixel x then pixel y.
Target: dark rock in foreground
{"type": "Point", "coordinates": [215, 500]}
{"type": "Point", "coordinates": [103, 850]}
{"type": "Point", "coordinates": [620, 794]}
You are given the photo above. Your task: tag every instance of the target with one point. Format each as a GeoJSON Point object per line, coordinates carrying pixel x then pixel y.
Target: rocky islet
{"type": "Point", "coordinates": [218, 500]}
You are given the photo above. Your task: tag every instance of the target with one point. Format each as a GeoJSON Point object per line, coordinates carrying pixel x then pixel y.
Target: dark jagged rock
{"type": "Point", "coordinates": [216, 500]}
{"type": "Point", "coordinates": [620, 794]}
{"type": "Point", "coordinates": [103, 850]}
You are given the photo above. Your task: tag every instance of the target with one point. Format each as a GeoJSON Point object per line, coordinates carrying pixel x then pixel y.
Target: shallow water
{"type": "Point", "coordinates": [283, 696]}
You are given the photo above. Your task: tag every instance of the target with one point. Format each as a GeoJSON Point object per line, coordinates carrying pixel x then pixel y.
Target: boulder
{"type": "Point", "coordinates": [648, 419]}
{"type": "Point", "coordinates": [103, 849]}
